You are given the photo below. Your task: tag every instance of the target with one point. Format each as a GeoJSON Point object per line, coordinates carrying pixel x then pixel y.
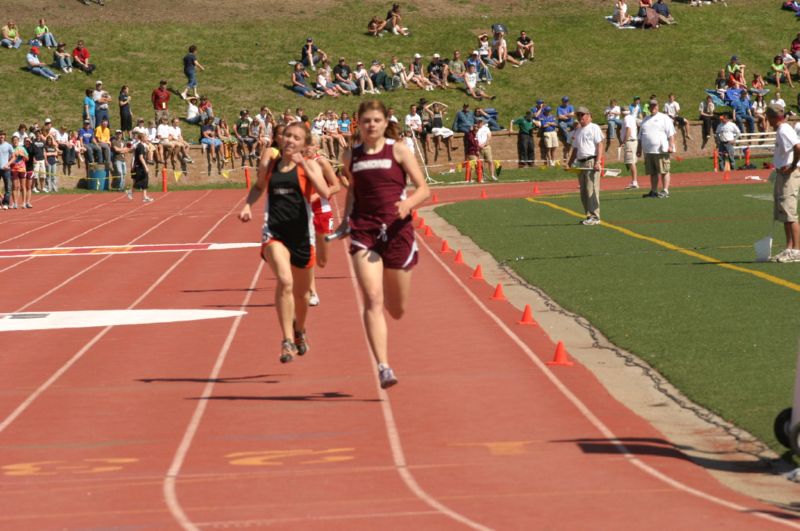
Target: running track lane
{"type": "Point", "coordinates": [474, 416]}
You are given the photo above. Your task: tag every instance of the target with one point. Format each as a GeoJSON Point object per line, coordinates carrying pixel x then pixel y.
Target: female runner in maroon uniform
{"type": "Point", "coordinates": [382, 242]}
{"type": "Point", "coordinates": [288, 235]}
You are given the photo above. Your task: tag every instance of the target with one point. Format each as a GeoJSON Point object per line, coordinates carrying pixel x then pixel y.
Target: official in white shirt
{"type": "Point", "coordinates": [586, 149]}
{"type": "Point", "coordinates": [787, 183]}
{"type": "Point", "coordinates": [657, 142]}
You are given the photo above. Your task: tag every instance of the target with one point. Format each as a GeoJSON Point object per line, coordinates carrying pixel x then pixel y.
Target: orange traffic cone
{"type": "Point", "coordinates": [484, 195]}
{"type": "Point", "coordinates": [536, 189]}
{"type": "Point", "coordinates": [459, 257]}
{"type": "Point", "coordinates": [727, 175]}
{"type": "Point", "coordinates": [435, 199]}
{"type": "Point", "coordinates": [560, 357]}
{"type": "Point", "coordinates": [498, 294]}
{"type": "Point", "coordinates": [421, 223]}
{"type": "Point", "coordinates": [478, 273]}
{"type": "Point", "coordinates": [445, 248]}
{"type": "Point", "coordinates": [428, 232]}
{"type": "Point", "coordinates": [527, 316]}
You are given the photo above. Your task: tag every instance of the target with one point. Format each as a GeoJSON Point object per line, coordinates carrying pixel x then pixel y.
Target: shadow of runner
{"type": "Point", "coordinates": [255, 379]}
{"type": "Point", "coordinates": [315, 397]}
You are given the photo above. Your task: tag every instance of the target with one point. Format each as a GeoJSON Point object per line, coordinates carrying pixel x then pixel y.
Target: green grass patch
{"type": "Point", "coordinates": [727, 339]}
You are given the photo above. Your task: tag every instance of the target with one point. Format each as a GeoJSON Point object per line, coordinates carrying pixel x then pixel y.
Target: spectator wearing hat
{"type": "Point", "coordinates": [190, 66]}
{"type": "Point", "coordinates": [364, 80]}
{"type": "Point", "coordinates": [311, 55]}
{"type": "Point", "coordinates": [416, 73]}
{"type": "Point", "coordinates": [548, 127]}
{"type": "Point", "coordinates": [787, 183]}
{"type": "Point", "coordinates": [62, 59]}
{"type": "Point", "coordinates": [119, 150]}
{"type": "Point", "coordinates": [87, 142]}
{"type": "Point", "coordinates": [101, 99]}
{"type": "Point", "coordinates": [10, 35]}
{"type": "Point", "coordinates": [525, 151]}
{"type": "Point", "coordinates": [343, 76]}
{"type": "Point", "coordinates": [437, 72]}
{"type": "Point", "coordinates": [727, 133]}
{"type": "Point", "coordinates": [456, 68]}
{"type": "Point", "coordinates": [537, 111]}
{"type": "Point", "coordinates": [37, 67]}
{"type": "Point", "coordinates": [657, 142]}
{"type": "Point", "coordinates": [80, 59]}
{"type": "Point", "coordinates": [160, 100]}
{"type": "Point", "coordinates": [44, 36]}
{"type": "Point", "coordinates": [587, 145]}
{"type": "Point", "coordinates": [484, 137]}
{"type": "Point", "coordinates": [629, 142]}
{"type": "Point", "coordinates": [480, 67]}
{"type": "Point", "coordinates": [734, 66]}
{"type": "Point", "coordinates": [565, 117]}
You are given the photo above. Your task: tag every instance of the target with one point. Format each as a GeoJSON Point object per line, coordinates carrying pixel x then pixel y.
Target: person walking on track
{"type": "Point", "coordinates": [378, 213]}
{"type": "Point", "coordinates": [288, 233]}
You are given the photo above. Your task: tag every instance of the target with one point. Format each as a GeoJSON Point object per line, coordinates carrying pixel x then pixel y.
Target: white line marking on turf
{"type": "Point", "coordinates": [595, 421]}
{"type": "Point", "coordinates": [13, 322]}
{"type": "Point", "coordinates": [392, 432]}
{"type": "Point", "coordinates": [170, 480]}
{"type": "Point", "coordinates": [74, 359]}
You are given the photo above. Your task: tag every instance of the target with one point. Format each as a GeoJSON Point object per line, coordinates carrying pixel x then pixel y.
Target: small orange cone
{"type": "Point", "coordinates": [484, 195]}
{"type": "Point", "coordinates": [445, 248]}
{"type": "Point", "coordinates": [435, 199]}
{"type": "Point", "coordinates": [560, 357]}
{"type": "Point", "coordinates": [498, 294]}
{"type": "Point", "coordinates": [478, 273]}
{"type": "Point", "coordinates": [727, 175]}
{"type": "Point", "coordinates": [527, 316]}
{"type": "Point", "coordinates": [428, 232]}
{"type": "Point", "coordinates": [421, 223]}
{"type": "Point", "coordinates": [536, 189]}
{"type": "Point", "coordinates": [459, 257]}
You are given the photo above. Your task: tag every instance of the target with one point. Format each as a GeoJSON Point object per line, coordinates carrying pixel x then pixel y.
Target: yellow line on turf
{"type": "Point", "coordinates": [661, 243]}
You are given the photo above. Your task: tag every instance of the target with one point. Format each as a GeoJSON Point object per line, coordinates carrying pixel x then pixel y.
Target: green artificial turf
{"type": "Point", "coordinates": [727, 339]}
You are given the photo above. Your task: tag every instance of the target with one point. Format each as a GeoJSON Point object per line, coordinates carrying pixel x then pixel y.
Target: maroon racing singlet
{"type": "Point", "coordinates": [378, 183]}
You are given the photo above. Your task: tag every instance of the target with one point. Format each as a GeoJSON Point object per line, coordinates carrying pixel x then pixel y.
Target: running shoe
{"type": "Point", "coordinates": [28, 205]}
{"type": "Point", "coordinates": [313, 300]}
{"type": "Point", "coordinates": [300, 342]}
{"type": "Point", "coordinates": [788, 256]}
{"type": "Point", "coordinates": [147, 200]}
{"type": "Point", "coordinates": [5, 207]}
{"type": "Point", "coordinates": [387, 377]}
{"type": "Point", "coordinates": [650, 194]}
{"type": "Point", "coordinates": [590, 221]}
{"type": "Point", "coordinates": [632, 186]}
{"type": "Point", "coordinates": [781, 256]}
{"type": "Point", "coordinates": [35, 190]}
{"type": "Point", "coordinates": [663, 194]}
{"type": "Point", "coordinates": [129, 193]}
{"type": "Point", "coordinates": [288, 350]}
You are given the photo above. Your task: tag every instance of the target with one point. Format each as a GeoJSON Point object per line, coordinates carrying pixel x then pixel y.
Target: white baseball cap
{"type": "Point", "coordinates": [417, 56]}
{"type": "Point", "coordinates": [436, 55]}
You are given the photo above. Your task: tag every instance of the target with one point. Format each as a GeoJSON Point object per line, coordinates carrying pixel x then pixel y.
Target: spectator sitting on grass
{"type": "Point", "coordinates": [734, 66]}
{"type": "Point", "coordinates": [364, 81]}
{"type": "Point", "coordinates": [80, 58]}
{"type": "Point", "coordinates": [790, 61]}
{"type": "Point", "coordinates": [779, 72]}
{"type": "Point", "coordinates": [394, 21]}
{"type": "Point", "coordinates": [324, 85]}
{"type": "Point", "coordinates": [206, 108]}
{"type": "Point", "coordinates": [757, 86]}
{"type": "Point", "coordinates": [485, 49]}
{"type": "Point", "coordinates": [376, 26]}
{"type": "Point", "coordinates": [192, 111]}
{"type": "Point", "coordinates": [377, 73]}
{"type": "Point", "coordinates": [416, 74]}
{"type": "Point", "coordinates": [472, 87]}
{"type": "Point", "coordinates": [37, 67]}
{"type": "Point", "coordinates": [480, 67]}
{"type": "Point", "coordinates": [664, 16]}
{"type": "Point", "coordinates": [456, 69]}
{"type": "Point", "coordinates": [311, 55]}
{"type": "Point", "coordinates": [343, 76]}
{"type": "Point", "coordinates": [500, 51]}
{"type": "Point", "coordinates": [299, 83]}
{"type": "Point", "coordinates": [44, 36]}
{"type": "Point", "coordinates": [620, 15]}
{"type": "Point", "coordinates": [481, 114]}
{"type": "Point", "coordinates": [737, 81]}
{"type": "Point", "coordinates": [62, 59]}
{"type": "Point", "coordinates": [437, 72]}
{"type": "Point", "coordinates": [398, 71]}
{"type": "Point", "coordinates": [525, 48]}
{"type": "Point", "coordinates": [10, 35]}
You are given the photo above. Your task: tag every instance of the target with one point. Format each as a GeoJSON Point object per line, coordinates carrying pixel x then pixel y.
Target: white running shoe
{"type": "Point", "coordinates": [35, 190]}
{"type": "Point", "coordinates": [633, 186]}
{"type": "Point", "coordinates": [129, 193]}
{"type": "Point", "coordinates": [313, 300]}
{"type": "Point", "coordinates": [147, 200]}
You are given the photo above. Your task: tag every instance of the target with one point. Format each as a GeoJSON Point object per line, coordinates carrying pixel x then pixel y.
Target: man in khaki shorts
{"type": "Point", "coordinates": [657, 142]}
{"type": "Point", "coordinates": [630, 143]}
{"type": "Point", "coordinates": [787, 182]}
{"type": "Point", "coordinates": [484, 136]}
{"type": "Point", "coordinates": [549, 135]}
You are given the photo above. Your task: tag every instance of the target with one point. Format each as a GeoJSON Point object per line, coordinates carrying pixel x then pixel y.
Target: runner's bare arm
{"type": "Point", "coordinates": [259, 187]}
{"type": "Point", "coordinates": [406, 159]}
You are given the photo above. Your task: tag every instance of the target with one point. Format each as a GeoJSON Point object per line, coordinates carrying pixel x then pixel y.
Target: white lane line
{"type": "Point", "coordinates": [99, 318]}
{"type": "Point", "coordinates": [594, 420]}
{"type": "Point", "coordinates": [74, 359]}
{"type": "Point", "coordinates": [171, 478]}
{"type": "Point", "coordinates": [108, 256]}
{"type": "Point", "coordinates": [61, 252]}
{"type": "Point", "coordinates": [393, 433]}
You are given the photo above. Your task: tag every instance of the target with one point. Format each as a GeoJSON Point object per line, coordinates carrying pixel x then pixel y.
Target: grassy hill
{"type": "Point", "coordinates": [246, 44]}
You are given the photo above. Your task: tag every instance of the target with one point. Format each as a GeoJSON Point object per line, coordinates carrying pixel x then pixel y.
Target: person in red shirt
{"type": "Point", "coordinates": [80, 58]}
{"type": "Point", "coordinates": [160, 99]}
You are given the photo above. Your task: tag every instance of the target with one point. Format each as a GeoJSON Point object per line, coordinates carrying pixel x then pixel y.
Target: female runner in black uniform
{"type": "Point", "coordinates": [288, 234]}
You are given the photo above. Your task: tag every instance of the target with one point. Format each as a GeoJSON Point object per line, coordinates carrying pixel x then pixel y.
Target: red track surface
{"type": "Point", "coordinates": [197, 424]}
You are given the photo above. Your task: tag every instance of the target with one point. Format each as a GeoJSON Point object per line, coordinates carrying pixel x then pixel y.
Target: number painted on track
{"type": "Point", "coordinates": [98, 465]}
{"type": "Point", "coordinates": [300, 456]}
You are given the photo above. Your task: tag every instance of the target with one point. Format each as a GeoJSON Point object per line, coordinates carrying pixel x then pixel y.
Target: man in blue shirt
{"type": "Point", "coordinates": [480, 67]}
{"type": "Point", "coordinates": [742, 112]}
{"type": "Point", "coordinates": [86, 136]}
{"type": "Point", "coordinates": [565, 117]}
{"type": "Point", "coordinates": [463, 122]}
{"type": "Point", "coordinates": [6, 152]}
{"type": "Point", "coordinates": [190, 66]}
{"type": "Point", "coordinates": [549, 135]}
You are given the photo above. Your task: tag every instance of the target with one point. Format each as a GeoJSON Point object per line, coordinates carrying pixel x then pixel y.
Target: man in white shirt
{"type": "Point", "coordinates": [657, 142]}
{"type": "Point", "coordinates": [629, 141]}
{"type": "Point", "coordinates": [484, 138]}
{"type": "Point", "coordinates": [727, 133]}
{"type": "Point", "coordinates": [178, 141]}
{"type": "Point", "coordinates": [673, 109]}
{"type": "Point", "coordinates": [585, 150]}
{"type": "Point", "coordinates": [787, 183]}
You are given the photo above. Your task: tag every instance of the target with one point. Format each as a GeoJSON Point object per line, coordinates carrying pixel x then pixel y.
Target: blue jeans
{"type": "Point", "coordinates": [564, 127]}
{"type": "Point", "coordinates": [51, 181]}
{"type": "Point", "coordinates": [63, 62]}
{"type": "Point", "coordinates": [93, 153]}
{"type": "Point", "coordinates": [121, 167]}
{"type": "Point", "coordinates": [351, 87]}
{"type": "Point", "coordinates": [613, 125]}
{"type": "Point", "coordinates": [43, 71]}
{"type": "Point", "coordinates": [8, 43]}
{"type": "Point", "coordinates": [191, 76]}
{"type": "Point", "coordinates": [48, 40]}
{"type": "Point", "coordinates": [6, 175]}
{"type": "Point", "coordinates": [100, 115]}
{"type": "Point", "coordinates": [751, 124]}
{"type": "Point", "coordinates": [484, 73]}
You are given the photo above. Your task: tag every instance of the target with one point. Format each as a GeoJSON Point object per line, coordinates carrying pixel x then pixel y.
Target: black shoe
{"type": "Point", "coordinates": [650, 194]}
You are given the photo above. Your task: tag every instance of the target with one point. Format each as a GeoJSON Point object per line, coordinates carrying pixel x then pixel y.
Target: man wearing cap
{"type": "Point", "coordinates": [727, 133]}
{"type": "Point", "coordinates": [480, 67]}
{"type": "Point", "coordinates": [629, 140]}
{"type": "Point", "coordinates": [587, 145]}
{"type": "Point", "coordinates": [787, 183]}
{"type": "Point", "coordinates": [416, 73]}
{"type": "Point", "coordinates": [549, 134]}
{"type": "Point", "coordinates": [37, 67]}
{"type": "Point", "coordinates": [80, 58]}
{"type": "Point", "coordinates": [311, 55]}
{"type": "Point", "coordinates": [437, 72]}
{"type": "Point", "coordinates": [657, 142]}
{"type": "Point", "coordinates": [160, 98]}
{"type": "Point", "coordinates": [343, 76]}
{"type": "Point", "coordinates": [733, 66]}
{"type": "Point", "coordinates": [86, 137]}
{"type": "Point", "coordinates": [525, 152]}
{"type": "Point", "coordinates": [101, 99]}
{"type": "Point", "coordinates": [565, 117]}
{"type": "Point", "coordinates": [463, 122]}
